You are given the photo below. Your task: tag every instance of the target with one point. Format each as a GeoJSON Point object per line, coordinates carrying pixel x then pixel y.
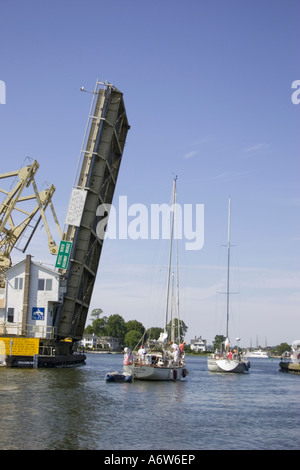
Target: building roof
{"type": "Point", "coordinates": [40, 264]}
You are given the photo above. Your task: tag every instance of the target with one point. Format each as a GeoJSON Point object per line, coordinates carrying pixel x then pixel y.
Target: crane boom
{"type": "Point", "coordinates": [12, 208]}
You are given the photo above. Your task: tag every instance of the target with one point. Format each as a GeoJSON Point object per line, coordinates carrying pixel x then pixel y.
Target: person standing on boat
{"type": "Point", "coordinates": [128, 357]}
{"type": "Point", "coordinates": [141, 352]}
{"type": "Point", "coordinates": [175, 352]}
{"type": "Point", "coordinates": [181, 348]}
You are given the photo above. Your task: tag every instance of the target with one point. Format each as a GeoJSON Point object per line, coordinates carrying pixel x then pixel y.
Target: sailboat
{"type": "Point", "coordinates": [227, 361]}
{"type": "Point", "coordinates": [163, 361]}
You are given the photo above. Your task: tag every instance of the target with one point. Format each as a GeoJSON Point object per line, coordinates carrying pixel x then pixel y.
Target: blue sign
{"type": "Point", "coordinates": [38, 313]}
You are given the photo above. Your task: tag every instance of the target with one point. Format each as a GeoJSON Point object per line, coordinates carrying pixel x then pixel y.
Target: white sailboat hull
{"type": "Point", "coordinates": [154, 372]}
{"type": "Point", "coordinates": [227, 365]}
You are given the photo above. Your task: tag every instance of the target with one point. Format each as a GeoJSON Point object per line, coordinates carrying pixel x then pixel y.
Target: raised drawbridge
{"type": "Point", "coordinates": [95, 183]}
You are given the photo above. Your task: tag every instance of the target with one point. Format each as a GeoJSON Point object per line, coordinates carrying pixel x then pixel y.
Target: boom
{"type": "Point", "coordinates": [16, 217]}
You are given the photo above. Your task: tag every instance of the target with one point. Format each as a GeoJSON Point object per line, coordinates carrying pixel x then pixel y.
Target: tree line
{"type": "Point", "coordinates": [279, 350]}
{"type": "Point", "coordinates": [129, 333]}
{"type": "Point", "coordinates": [133, 332]}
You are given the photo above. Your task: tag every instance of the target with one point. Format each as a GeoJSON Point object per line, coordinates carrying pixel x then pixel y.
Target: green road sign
{"type": "Point", "coordinates": [63, 255]}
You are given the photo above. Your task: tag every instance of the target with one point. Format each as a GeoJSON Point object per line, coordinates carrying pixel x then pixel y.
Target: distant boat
{"type": "Point", "coordinates": [257, 353]}
{"type": "Point", "coordinates": [161, 363]}
{"type": "Point", "coordinates": [227, 361]}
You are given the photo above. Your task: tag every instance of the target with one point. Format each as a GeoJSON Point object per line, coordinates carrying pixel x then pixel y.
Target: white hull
{"type": "Point", "coordinates": [153, 372]}
{"type": "Point", "coordinates": [259, 354]}
{"type": "Point", "coordinates": [227, 365]}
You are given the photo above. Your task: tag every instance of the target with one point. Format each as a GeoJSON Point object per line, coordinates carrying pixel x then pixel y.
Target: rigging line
{"type": "Point", "coordinates": [141, 340]}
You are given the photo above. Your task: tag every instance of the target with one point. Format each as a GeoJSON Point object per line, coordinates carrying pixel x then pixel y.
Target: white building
{"type": "Point", "coordinates": [32, 290]}
{"type": "Point", "coordinates": [92, 341]}
{"type": "Point", "coordinates": [109, 342]}
{"type": "Point", "coordinates": [198, 344]}
{"type": "Point", "coordinates": [89, 341]}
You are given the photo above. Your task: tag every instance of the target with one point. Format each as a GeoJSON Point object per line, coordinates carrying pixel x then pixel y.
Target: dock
{"type": "Point", "coordinates": [289, 367]}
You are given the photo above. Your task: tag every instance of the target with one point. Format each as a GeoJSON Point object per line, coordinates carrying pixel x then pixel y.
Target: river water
{"type": "Point", "coordinates": [75, 409]}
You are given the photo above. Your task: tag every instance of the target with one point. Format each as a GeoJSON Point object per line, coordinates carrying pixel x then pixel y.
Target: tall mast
{"type": "Point", "coordinates": [173, 312]}
{"type": "Point", "coordinates": [177, 284]}
{"type": "Point", "coordinates": [228, 266]}
{"type": "Point", "coordinates": [170, 253]}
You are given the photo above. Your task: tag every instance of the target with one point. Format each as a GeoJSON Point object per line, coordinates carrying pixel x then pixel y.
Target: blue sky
{"type": "Point", "coordinates": [207, 88]}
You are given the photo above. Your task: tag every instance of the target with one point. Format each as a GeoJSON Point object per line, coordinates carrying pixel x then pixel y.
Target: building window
{"type": "Point", "coordinates": [18, 283]}
{"type": "Point", "coordinates": [44, 284]}
{"type": "Point", "coordinates": [10, 314]}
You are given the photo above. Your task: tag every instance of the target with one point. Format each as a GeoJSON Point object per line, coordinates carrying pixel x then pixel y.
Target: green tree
{"type": "Point", "coordinates": [154, 332]}
{"type": "Point", "coordinates": [182, 329]}
{"type": "Point", "coordinates": [135, 325]}
{"type": "Point", "coordinates": [89, 330]}
{"type": "Point", "coordinates": [116, 327]}
{"type": "Point", "coordinates": [96, 312]}
{"type": "Point", "coordinates": [218, 341]}
{"type": "Point", "coordinates": [132, 339]}
{"type": "Point", "coordinates": [98, 326]}
{"type": "Point", "coordinates": [282, 348]}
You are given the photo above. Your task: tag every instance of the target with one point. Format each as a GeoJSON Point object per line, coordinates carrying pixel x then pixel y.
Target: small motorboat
{"type": "Point", "coordinates": [118, 377]}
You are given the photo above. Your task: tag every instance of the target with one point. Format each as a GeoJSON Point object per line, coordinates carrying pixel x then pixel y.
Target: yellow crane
{"type": "Point", "coordinates": [12, 208]}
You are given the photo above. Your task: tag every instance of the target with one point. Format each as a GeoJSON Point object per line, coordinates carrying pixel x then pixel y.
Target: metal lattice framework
{"type": "Point", "coordinates": [16, 217]}
{"type": "Point", "coordinates": [97, 175]}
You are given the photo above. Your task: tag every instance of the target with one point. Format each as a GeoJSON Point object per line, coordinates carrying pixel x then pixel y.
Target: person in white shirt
{"type": "Point", "coordinates": [141, 353]}
{"type": "Point", "coordinates": [175, 352]}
